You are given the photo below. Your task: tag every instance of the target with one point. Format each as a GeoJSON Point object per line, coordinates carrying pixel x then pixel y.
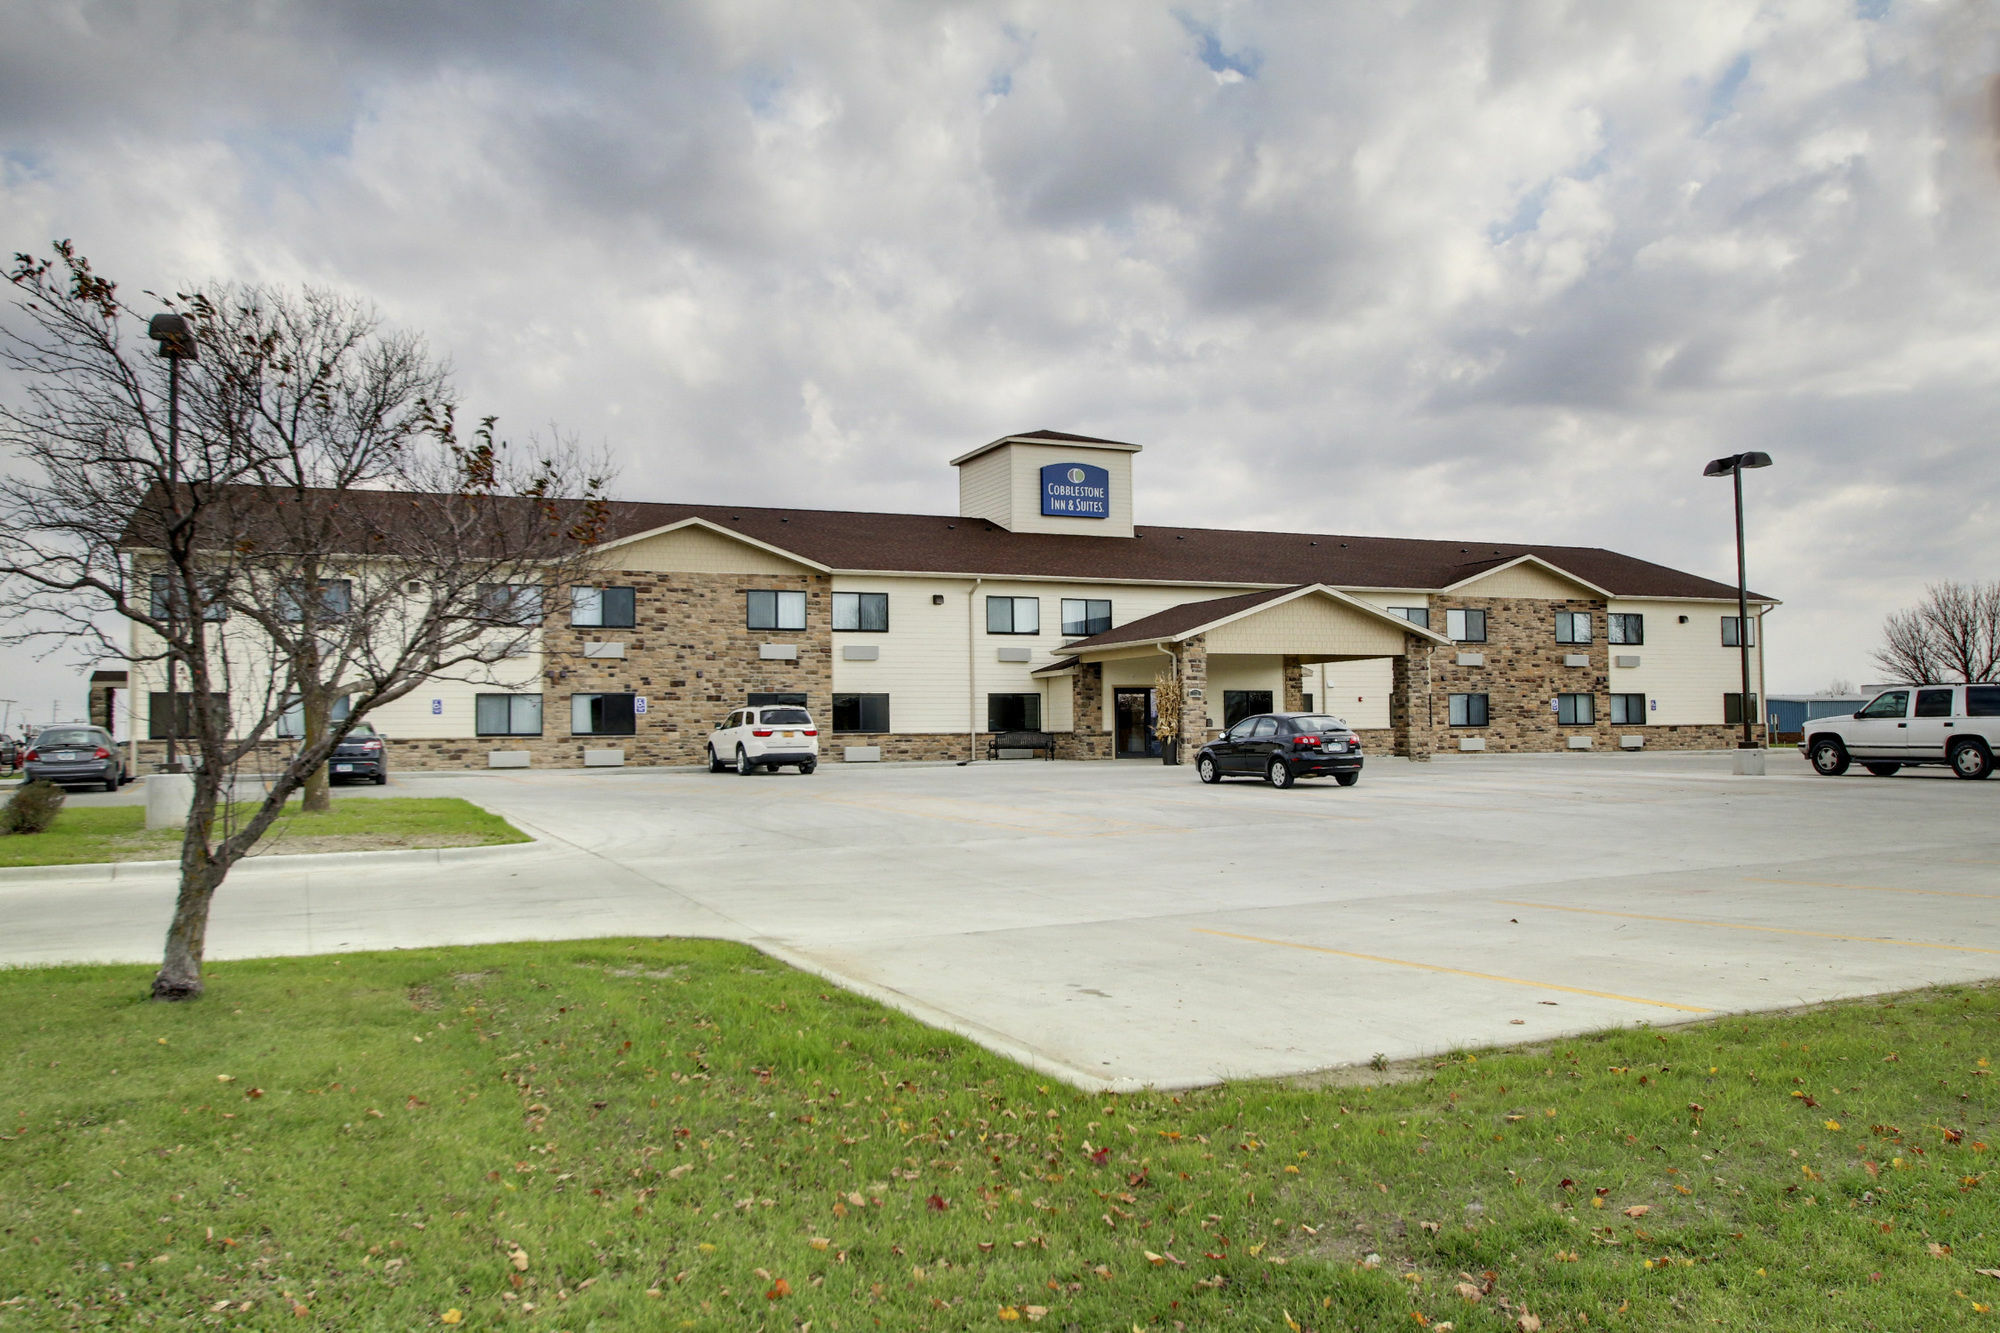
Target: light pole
{"type": "Point", "coordinates": [1732, 467]}
{"type": "Point", "coordinates": [176, 339]}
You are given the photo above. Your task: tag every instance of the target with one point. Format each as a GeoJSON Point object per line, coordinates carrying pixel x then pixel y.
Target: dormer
{"type": "Point", "coordinates": [1049, 481]}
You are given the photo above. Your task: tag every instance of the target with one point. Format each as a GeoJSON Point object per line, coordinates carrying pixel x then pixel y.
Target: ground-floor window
{"type": "Point", "coordinates": [292, 722]}
{"type": "Point", "coordinates": [1306, 701]}
{"type": "Point", "coordinates": [508, 714]}
{"type": "Point", "coordinates": [861, 712]}
{"type": "Point", "coordinates": [1732, 709]}
{"type": "Point", "coordinates": [603, 715]}
{"type": "Point", "coordinates": [1468, 710]}
{"type": "Point", "coordinates": [1239, 704]}
{"type": "Point", "coordinates": [1628, 710]}
{"type": "Point", "coordinates": [171, 716]}
{"type": "Point", "coordinates": [1013, 712]}
{"type": "Point", "coordinates": [1576, 710]}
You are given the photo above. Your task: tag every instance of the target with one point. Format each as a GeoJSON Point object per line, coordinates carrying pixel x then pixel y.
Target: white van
{"type": "Point", "coordinates": [772, 736]}
{"type": "Point", "coordinates": [1957, 725]}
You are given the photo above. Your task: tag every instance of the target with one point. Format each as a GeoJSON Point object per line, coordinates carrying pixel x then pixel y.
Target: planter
{"type": "Point", "coordinates": [1170, 752]}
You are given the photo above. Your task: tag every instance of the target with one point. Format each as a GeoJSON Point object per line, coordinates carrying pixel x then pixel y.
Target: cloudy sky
{"type": "Point", "coordinates": [1473, 270]}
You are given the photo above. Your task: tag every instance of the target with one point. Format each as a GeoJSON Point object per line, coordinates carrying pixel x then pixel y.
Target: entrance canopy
{"type": "Point", "coordinates": [1311, 623]}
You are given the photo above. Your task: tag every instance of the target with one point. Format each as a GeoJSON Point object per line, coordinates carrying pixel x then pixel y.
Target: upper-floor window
{"type": "Point", "coordinates": [1085, 616]}
{"type": "Point", "coordinates": [1013, 615]}
{"type": "Point", "coordinates": [1416, 615]}
{"type": "Point", "coordinates": [1623, 627]}
{"type": "Point", "coordinates": [603, 608]}
{"type": "Point", "coordinates": [335, 599]}
{"type": "Point", "coordinates": [1572, 627]}
{"type": "Point", "coordinates": [510, 603]}
{"type": "Point", "coordinates": [1730, 626]}
{"type": "Point", "coordinates": [774, 610]}
{"type": "Point", "coordinates": [210, 591]}
{"type": "Point", "coordinates": [867, 611]}
{"type": "Point", "coordinates": [1465, 626]}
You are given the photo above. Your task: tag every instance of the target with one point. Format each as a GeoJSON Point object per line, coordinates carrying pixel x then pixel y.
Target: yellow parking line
{"type": "Point", "coordinates": [1767, 930]}
{"type": "Point", "coordinates": [1867, 888]}
{"type": "Point", "coordinates": [1455, 971]}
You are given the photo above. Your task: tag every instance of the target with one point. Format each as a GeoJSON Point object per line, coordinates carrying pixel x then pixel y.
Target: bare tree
{"type": "Point", "coordinates": [1952, 635]}
{"type": "Point", "coordinates": [315, 528]}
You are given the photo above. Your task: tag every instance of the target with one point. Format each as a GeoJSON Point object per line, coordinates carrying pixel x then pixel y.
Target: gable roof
{"type": "Point", "coordinates": [1045, 436]}
{"type": "Point", "coordinates": [1535, 561]}
{"type": "Point", "coordinates": [1192, 618]}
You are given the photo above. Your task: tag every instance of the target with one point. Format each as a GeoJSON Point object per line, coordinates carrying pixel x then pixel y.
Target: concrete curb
{"type": "Point", "coordinates": [105, 872]}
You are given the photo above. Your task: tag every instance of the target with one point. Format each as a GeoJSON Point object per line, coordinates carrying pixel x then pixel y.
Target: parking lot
{"type": "Point", "coordinates": [1121, 922]}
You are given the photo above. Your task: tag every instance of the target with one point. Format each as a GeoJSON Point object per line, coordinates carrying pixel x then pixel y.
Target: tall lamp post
{"type": "Point", "coordinates": [175, 337]}
{"type": "Point", "coordinates": [1732, 467]}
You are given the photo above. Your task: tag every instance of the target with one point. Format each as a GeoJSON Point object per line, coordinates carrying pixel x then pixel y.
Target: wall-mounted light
{"type": "Point", "coordinates": [937, 599]}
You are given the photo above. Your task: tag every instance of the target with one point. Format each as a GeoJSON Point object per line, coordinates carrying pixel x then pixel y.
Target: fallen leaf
{"type": "Point", "coordinates": [1008, 1314]}
{"type": "Point", "coordinates": [936, 1203]}
{"type": "Point", "coordinates": [519, 1258]}
{"type": "Point", "coordinates": [1938, 1251]}
{"type": "Point", "coordinates": [819, 1242]}
{"type": "Point", "coordinates": [1468, 1291]}
{"type": "Point", "coordinates": [1987, 1272]}
{"type": "Point", "coordinates": [451, 1316]}
{"type": "Point", "coordinates": [1636, 1210]}
{"type": "Point", "coordinates": [225, 1078]}
{"type": "Point", "coordinates": [675, 1173]}
{"type": "Point", "coordinates": [779, 1290]}
{"type": "Point", "coordinates": [1527, 1323]}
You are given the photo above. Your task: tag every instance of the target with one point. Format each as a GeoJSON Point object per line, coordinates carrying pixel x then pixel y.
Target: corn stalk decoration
{"type": "Point", "coordinates": [1167, 717]}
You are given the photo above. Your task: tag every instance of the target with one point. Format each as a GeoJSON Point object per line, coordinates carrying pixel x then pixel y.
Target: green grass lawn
{"type": "Point", "coordinates": [118, 832]}
{"type": "Point", "coordinates": [684, 1134]}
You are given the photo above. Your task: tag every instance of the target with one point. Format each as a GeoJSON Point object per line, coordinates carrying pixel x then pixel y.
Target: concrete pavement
{"type": "Point", "coordinates": [1119, 924]}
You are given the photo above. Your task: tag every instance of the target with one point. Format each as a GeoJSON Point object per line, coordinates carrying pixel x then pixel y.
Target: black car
{"type": "Point", "coordinates": [1283, 747]}
{"type": "Point", "coordinates": [361, 756]}
{"type": "Point", "coordinates": [75, 755]}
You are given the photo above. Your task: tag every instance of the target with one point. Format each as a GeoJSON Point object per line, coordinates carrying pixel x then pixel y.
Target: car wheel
{"type": "Point", "coordinates": [1971, 760]}
{"type": "Point", "coordinates": [1829, 758]}
{"type": "Point", "coordinates": [382, 778]}
{"type": "Point", "coordinates": [111, 783]}
{"type": "Point", "coordinates": [1883, 770]}
{"type": "Point", "coordinates": [744, 768]}
{"type": "Point", "coordinates": [1206, 770]}
{"type": "Point", "coordinates": [807, 767]}
{"type": "Point", "coordinates": [1347, 779]}
{"type": "Point", "coordinates": [715, 765]}
{"type": "Point", "coordinates": [1279, 774]}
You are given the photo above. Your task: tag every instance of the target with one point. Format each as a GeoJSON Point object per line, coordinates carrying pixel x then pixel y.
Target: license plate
{"type": "Point", "coordinates": [788, 735]}
{"type": "Point", "coordinates": [1337, 747]}
{"type": "Point", "coordinates": [343, 768]}
{"type": "Point", "coordinates": [64, 756]}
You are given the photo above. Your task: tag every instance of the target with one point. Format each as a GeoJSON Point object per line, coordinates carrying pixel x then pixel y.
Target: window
{"type": "Point", "coordinates": [1306, 701]}
{"type": "Point", "coordinates": [335, 599]}
{"type": "Point", "coordinates": [1465, 626]}
{"type": "Point", "coordinates": [1239, 704]}
{"type": "Point", "coordinates": [1732, 709]}
{"type": "Point", "coordinates": [1262, 727]}
{"type": "Point", "coordinates": [860, 712]}
{"type": "Point", "coordinates": [864, 611]}
{"type": "Point", "coordinates": [1013, 615]}
{"type": "Point", "coordinates": [1416, 615]}
{"type": "Point", "coordinates": [1729, 624]}
{"type": "Point", "coordinates": [778, 699]}
{"type": "Point", "coordinates": [1623, 628]}
{"type": "Point", "coordinates": [1890, 703]}
{"type": "Point", "coordinates": [602, 608]}
{"type": "Point", "coordinates": [1085, 616]}
{"type": "Point", "coordinates": [602, 715]}
{"type": "Point", "coordinates": [507, 715]}
{"type": "Point", "coordinates": [1576, 710]}
{"type": "Point", "coordinates": [1240, 730]}
{"type": "Point", "coordinates": [1468, 710]}
{"type": "Point", "coordinates": [211, 591]}
{"type": "Point", "coordinates": [775, 610]}
{"type": "Point", "coordinates": [1933, 703]}
{"type": "Point", "coordinates": [171, 716]}
{"type": "Point", "coordinates": [1572, 627]}
{"type": "Point", "coordinates": [1628, 710]}
{"type": "Point", "coordinates": [1982, 701]}
{"type": "Point", "coordinates": [1014, 712]}
{"type": "Point", "coordinates": [291, 724]}
{"type": "Point", "coordinates": [510, 603]}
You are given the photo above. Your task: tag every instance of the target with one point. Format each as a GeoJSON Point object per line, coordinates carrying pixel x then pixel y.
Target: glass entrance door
{"type": "Point", "coordinates": [1133, 715]}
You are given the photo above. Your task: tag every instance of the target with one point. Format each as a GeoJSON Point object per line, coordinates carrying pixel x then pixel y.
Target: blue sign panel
{"type": "Point", "coordinates": [1076, 490]}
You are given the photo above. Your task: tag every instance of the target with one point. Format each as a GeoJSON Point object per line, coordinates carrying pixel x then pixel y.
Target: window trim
{"type": "Point", "coordinates": [862, 713]}
{"type": "Point", "coordinates": [631, 594]}
{"type": "Point", "coordinates": [602, 694]}
{"type": "Point", "coordinates": [1013, 613]}
{"type": "Point", "coordinates": [1485, 710]}
{"type": "Point", "coordinates": [1417, 615]}
{"type": "Point", "coordinates": [1035, 706]}
{"type": "Point", "coordinates": [1062, 616]}
{"type": "Point", "coordinates": [541, 714]}
{"type": "Point", "coordinates": [294, 614]}
{"type": "Point", "coordinates": [1729, 623]}
{"type": "Point", "coordinates": [1466, 612]}
{"type": "Point", "coordinates": [1636, 626]}
{"type": "Point", "coordinates": [778, 598]}
{"type": "Point", "coordinates": [1757, 720]}
{"type": "Point", "coordinates": [858, 627]}
{"type": "Point", "coordinates": [159, 591]}
{"type": "Point", "coordinates": [1566, 627]}
{"type": "Point", "coordinates": [1574, 721]}
{"type": "Point", "coordinates": [1627, 696]}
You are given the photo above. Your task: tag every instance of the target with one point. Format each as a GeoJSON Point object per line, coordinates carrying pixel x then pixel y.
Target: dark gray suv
{"type": "Point", "coordinates": [73, 755]}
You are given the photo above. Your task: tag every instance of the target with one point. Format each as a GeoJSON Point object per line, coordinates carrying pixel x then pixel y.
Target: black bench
{"type": "Point", "coordinates": [1021, 740]}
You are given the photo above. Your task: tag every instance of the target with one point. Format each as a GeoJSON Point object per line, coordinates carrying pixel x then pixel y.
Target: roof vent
{"type": "Point", "coordinates": [951, 525]}
{"type": "Point", "coordinates": [1312, 543]}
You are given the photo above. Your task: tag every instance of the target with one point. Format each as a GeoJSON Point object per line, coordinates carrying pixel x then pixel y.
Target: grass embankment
{"type": "Point", "coordinates": [686, 1134]}
{"type": "Point", "coordinates": [84, 834]}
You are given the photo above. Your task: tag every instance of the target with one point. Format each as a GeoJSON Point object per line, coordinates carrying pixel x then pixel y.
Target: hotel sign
{"type": "Point", "coordinates": [1076, 490]}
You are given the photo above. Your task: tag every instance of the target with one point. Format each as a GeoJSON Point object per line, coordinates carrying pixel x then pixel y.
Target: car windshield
{"type": "Point", "coordinates": [1319, 722]}
{"type": "Point", "coordinates": [362, 732]}
{"type": "Point", "coordinates": [787, 717]}
{"type": "Point", "coordinates": [65, 736]}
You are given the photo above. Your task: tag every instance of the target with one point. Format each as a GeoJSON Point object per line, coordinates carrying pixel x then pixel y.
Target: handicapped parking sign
{"type": "Point", "coordinates": [639, 703]}
{"type": "Point", "coordinates": [437, 707]}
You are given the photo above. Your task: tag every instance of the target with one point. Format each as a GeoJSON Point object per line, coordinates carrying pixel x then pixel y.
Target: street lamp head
{"type": "Point", "coordinates": [174, 335]}
{"type": "Point", "coordinates": [1723, 467]}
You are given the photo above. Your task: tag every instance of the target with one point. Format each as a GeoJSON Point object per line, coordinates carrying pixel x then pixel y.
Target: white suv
{"type": "Point", "coordinates": [1958, 725]}
{"type": "Point", "coordinates": [773, 737]}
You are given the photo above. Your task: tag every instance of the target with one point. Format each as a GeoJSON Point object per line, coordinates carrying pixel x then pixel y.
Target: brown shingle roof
{"type": "Point", "coordinates": [1180, 619]}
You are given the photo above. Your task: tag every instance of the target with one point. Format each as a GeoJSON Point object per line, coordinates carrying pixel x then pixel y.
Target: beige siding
{"type": "Point", "coordinates": [1243, 673]}
{"type": "Point", "coordinates": [1683, 669]}
{"type": "Point", "coordinates": [698, 550]}
{"type": "Point", "coordinates": [1004, 485]}
{"type": "Point", "coordinates": [983, 488]}
{"type": "Point", "coordinates": [1356, 691]}
{"type": "Point", "coordinates": [1518, 581]}
{"type": "Point", "coordinates": [1305, 626]}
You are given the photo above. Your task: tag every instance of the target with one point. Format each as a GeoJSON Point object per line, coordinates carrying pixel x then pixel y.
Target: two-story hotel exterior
{"type": "Point", "coordinates": [1041, 605]}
